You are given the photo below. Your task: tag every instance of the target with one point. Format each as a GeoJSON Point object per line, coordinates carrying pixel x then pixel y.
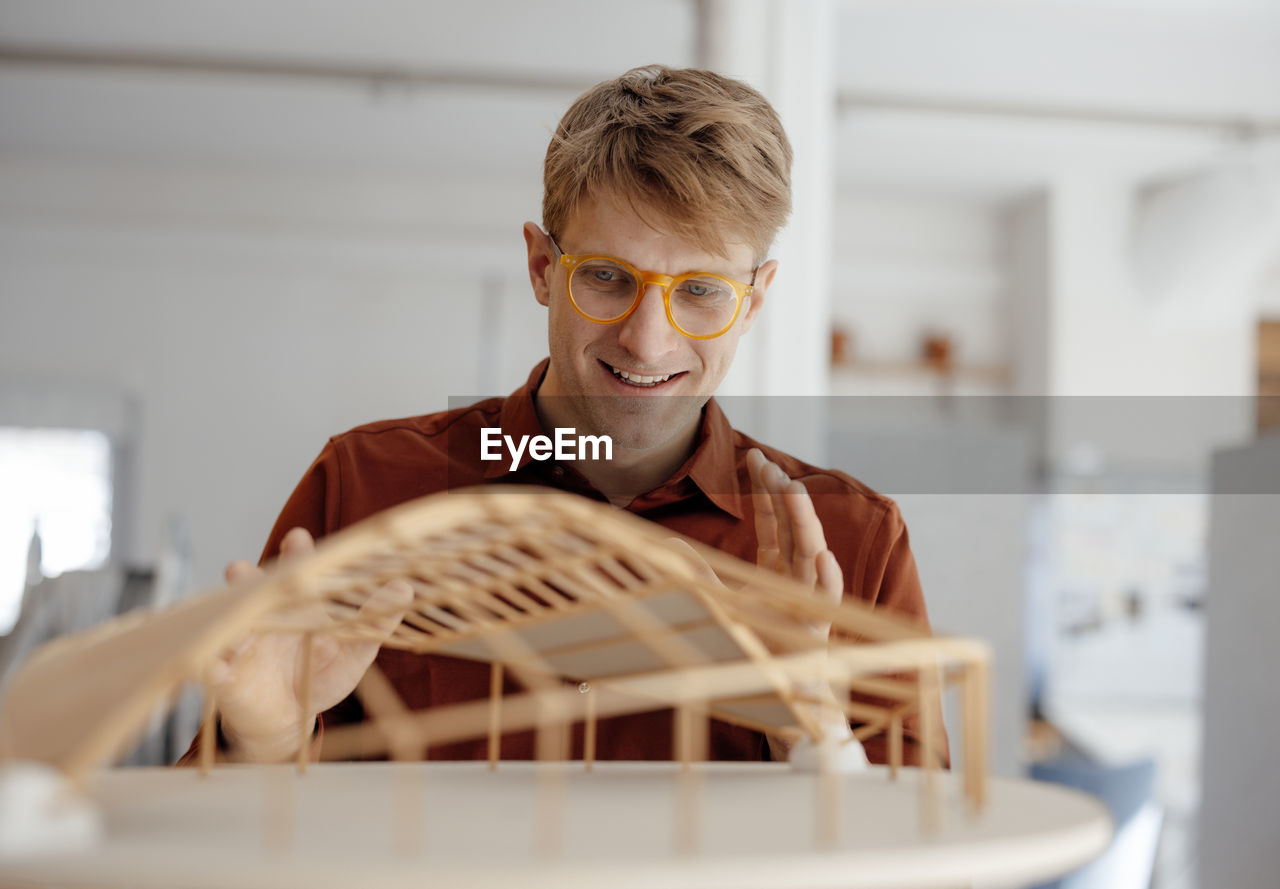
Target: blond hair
{"type": "Point", "coordinates": [706, 152]}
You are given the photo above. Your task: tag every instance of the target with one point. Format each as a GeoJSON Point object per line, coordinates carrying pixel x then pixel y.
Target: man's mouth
{"type": "Point", "coordinates": [641, 381]}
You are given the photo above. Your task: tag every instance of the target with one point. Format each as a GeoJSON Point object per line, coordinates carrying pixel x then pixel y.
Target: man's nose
{"type": "Point", "coordinates": [646, 333]}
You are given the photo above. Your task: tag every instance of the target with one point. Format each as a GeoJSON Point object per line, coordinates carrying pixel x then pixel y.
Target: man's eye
{"type": "Point", "coordinates": [703, 290]}
{"type": "Point", "coordinates": [604, 275]}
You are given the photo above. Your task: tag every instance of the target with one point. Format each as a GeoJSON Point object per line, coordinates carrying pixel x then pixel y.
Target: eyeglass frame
{"type": "Point", "coordinates": [646, 279]}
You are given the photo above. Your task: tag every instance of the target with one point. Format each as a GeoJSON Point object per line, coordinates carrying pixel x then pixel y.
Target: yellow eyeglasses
{"type": "Point", "coordinates": [605, 289]}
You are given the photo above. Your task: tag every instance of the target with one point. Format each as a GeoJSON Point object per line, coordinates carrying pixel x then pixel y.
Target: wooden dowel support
{"type": "Point", "coordinates": [208, 732]}
{"type": "Point", "coordinates": [683, 736]}
{"type": "Point", "coordinates": [967, 732]}
{"type": "Point", "coordinates": [589, 733]}
{"type": "Point", "coordinates": [978, 715]}
{"type": "Point", "coordinates": [895, 745]}
{"type": "Point", "coordinates": [930, 804]}
{"type": "Point", "coordinates": [495, 714]}
{"type": "Point", "coordinates": [538, 581]}
{"type": "Point", "coordinates": [304, 717]}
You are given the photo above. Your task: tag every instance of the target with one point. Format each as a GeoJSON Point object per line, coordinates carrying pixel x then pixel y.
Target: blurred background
{"type": "Point", "coordinates": [1031, 288]}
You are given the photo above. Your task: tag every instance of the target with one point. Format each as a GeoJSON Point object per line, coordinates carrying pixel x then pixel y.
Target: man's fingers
{"type": "Point", "coordinates": [382, 612]}
{"type": "Point", "coordinates": [239, 570]}
{"type": "Point", "coordinates": [805, 571]}
{"type": "Point", "coordinates": [218, 673]}
{"type": "Point", "coordinates": [698, 563]}
{"type": "Point", "coordinates": [830, 586]}
{"type": "Point", "coordinates": [778, 482]}
{"type": "Point", "coordinates": [766, 521]}
{"type": "Point", "coordinates": [789, 534]}
{"type": "Point", "coordinates": [297, 542]}
{"type": "Point", "coordinates": [386, 608]}
{"type": "Point", "coordinates": [830, 577]}
{"type": "Point", "coordinates": [807, 539]}
{"type": "Point", "coordinates": [227, 670]}
{"type": "Point", "coordinates": [807, 536]}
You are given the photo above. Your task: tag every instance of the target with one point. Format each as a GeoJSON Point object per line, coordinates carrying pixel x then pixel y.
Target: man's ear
{"type": "Point", "coordinates": [755, 302]}
{"type": "Point", "coordinates": [541, 262]}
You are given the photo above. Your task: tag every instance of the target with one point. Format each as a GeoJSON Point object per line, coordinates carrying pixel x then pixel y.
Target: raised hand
{"type": "Point", "coordinates": [258, 685]}
{"type": "Point", "coordinates": [791, 541]}
{"type": "Point", "coordinates": [789, 535]}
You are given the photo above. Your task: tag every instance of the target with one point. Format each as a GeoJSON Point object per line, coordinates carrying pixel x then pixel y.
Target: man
{"type": "Point", "coordinates": [663, 191]}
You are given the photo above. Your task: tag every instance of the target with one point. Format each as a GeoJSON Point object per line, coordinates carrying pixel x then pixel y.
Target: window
{"type": "Point", "coordinates": [57, 482]}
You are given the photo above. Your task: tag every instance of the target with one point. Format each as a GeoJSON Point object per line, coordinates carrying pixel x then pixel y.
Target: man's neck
{"type": "Point", "coordinates": [632, 471]}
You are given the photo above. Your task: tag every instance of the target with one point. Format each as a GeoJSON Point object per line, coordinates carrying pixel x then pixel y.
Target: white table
{"type": "Point", "coordinates": [557, 826]}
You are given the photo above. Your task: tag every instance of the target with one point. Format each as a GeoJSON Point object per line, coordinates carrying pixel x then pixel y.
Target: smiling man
{"type": "Point", "coordinates": [663, 190]}
{"type": "Point", "coordinates": [638, 344]}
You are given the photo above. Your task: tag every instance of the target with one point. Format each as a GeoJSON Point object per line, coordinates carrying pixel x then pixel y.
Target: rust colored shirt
{"type": "Point", "coordinates": [380, 465]}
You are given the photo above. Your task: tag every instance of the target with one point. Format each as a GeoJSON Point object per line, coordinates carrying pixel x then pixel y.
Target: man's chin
{"type": "Point", "coordinates": [644, 423]}
{"type": "Point", "coordinates": [637, 440]}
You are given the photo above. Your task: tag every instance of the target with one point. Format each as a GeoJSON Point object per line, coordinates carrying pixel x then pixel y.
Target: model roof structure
{"type": "Point", "coordinates": [544, 585]}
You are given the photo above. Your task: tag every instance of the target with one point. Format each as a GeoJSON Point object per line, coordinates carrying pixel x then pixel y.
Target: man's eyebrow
{"type": "Point", "coordinates": [708, 269]}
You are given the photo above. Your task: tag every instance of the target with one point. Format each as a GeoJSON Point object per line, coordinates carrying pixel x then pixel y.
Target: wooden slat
{"type": "Point", "coordinates": [304, 723]}
{"type": "Point", "coordinates": [495, 569]}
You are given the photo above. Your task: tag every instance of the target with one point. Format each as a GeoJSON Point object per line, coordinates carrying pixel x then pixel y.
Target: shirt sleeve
{"type": "Point", "coordinates": [312, 505]}
{"type": "Point", "coordinates": [889, 578]}
{"type": "Point", "coordinates": [315, 503]}
{"type": "Point", "coordinates": [885, 575]}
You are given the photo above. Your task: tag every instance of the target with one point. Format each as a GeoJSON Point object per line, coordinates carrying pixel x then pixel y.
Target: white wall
{"type": "Point", "coordinates": [1175, 56]}
{"type": "Point", "coordinates": [971, 552]}
{"type": "Point", "coordinates": [911, 263]}
{"type": "Point", "coordinates": [1110, 338]}
{"type": "Point", "coordinates": [254, 313]}
{"type": "Point", "coordinates": [963, 483]}
{"type": "Point", "coordinates": [1269, 287]}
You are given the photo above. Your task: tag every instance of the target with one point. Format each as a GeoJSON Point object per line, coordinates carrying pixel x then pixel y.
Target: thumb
{"type": "Point", "coordinates": [690, 555]}
{"type": "Point", "coordinates": [830, 577]}
{"type": "Point", "coordinates": [384, 610]}
{"type": "Point", "coordinates": [297, 542]}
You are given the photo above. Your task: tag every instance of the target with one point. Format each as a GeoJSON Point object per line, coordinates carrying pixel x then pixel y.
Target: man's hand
{"type": "Point", "coordinates": [789, 536]}
{"type": "Point", "coordinates": [258, 685]}
{"type": "Point", "coordinates": [790, 540]}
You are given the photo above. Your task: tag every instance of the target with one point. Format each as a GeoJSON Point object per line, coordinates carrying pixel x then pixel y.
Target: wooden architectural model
{"type": "Point", "coordinates": [545, 587]}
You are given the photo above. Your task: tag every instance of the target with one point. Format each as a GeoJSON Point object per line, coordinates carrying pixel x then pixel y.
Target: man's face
{"type": "Point", "coordinates": [586, 357]}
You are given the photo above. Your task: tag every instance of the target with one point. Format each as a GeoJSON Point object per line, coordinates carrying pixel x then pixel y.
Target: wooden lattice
{"type": "Point", "coordinates": [544, 586]}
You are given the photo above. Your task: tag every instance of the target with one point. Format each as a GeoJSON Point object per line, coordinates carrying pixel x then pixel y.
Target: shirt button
{"type": "Point", "coordinates": [584, 687]}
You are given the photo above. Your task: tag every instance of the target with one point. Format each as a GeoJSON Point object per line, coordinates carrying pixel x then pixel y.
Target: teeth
{"type": "Point", "coordinates": [640, 379]}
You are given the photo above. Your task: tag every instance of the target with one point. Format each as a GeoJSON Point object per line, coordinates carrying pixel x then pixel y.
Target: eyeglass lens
{"type": "Point", "coordinates": [605, 290]}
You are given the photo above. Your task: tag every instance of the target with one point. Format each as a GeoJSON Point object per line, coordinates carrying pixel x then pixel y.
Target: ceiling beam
{"type": "Point", "coordinates": [372, 76]}
{"type": "Point", "coordinates": [383, 78]}
{"type": "Point", "coordinates": [1239, 127]}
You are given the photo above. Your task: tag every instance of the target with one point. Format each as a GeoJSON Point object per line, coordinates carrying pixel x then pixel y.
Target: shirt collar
{"type": "Point", "coordinates": [713, 466]}
{"type": "Point", "coordinates": [519, 417]}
